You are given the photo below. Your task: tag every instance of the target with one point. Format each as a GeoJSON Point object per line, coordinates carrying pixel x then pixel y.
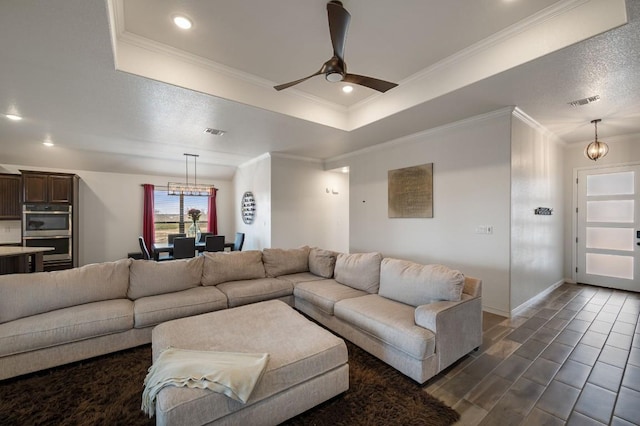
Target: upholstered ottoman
{"type": "Point", "coordinates": [307, 365]}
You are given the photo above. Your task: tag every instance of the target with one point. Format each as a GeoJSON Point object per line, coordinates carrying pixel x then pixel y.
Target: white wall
{"type": "Point", "coordinates": [254, 176]}
{"type": "Point", "coordinates": [309, 206]}
{"type": "Point", "coordinates": [622, 150]}
{"type": "Point", "coordinates": [536, 181]}
{"type": "Point", "coordinates": [471, 186]}
{"type": "Point", "coordinates": [110, 208]}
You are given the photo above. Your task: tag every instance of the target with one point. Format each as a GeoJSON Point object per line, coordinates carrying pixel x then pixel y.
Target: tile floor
{"type": "Point", "coordinates": [571, 358]}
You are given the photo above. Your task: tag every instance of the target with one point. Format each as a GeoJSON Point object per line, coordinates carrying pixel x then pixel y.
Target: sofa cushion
{"type": "Point", "coordinates": [325, 293]}
{"type": "Point", "coordinates": [23, 295]}
{"type": "Point", "coordinates": [301, 277]}
{"type": "Point", "coordinates": [153, 310]}
{"type": "Point", "coordinates": [251, 291]}
{"type": "Point", "coordinates": [359, 270]}
{"type": "Point", "coordinates": [285, 261]}
{"type": "Point", "coordinates": [416, 284]}
{"type": "Point", "coordinates": [66, 325]}
{"type": "Point", "coordinates": [322, 262]}
{"type": "Point", "coordinates": [391, 322]}
{"type": "Point", "coordinates": [220, 267]}
{"type": "Point", "coordinates": [149, 278]}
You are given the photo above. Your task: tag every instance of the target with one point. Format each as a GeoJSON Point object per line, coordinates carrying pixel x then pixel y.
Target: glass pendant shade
{"type": "Point", "coordinates": [186, 188]}
{"type": "Point", "coordinates": [596, 149]}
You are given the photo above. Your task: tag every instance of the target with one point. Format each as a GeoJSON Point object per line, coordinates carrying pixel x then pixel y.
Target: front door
{"type": "Point", "coordinates": [608, 227]}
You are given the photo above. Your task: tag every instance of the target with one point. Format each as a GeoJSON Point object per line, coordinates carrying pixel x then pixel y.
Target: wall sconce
{"type": "Point", "coordinates": [596, 149]}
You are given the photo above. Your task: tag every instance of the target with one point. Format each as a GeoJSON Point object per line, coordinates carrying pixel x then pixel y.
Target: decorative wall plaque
{"type": "Point", "coordinates": [411, 191]}
{"type": "Point", "coordinates": [248, 207]}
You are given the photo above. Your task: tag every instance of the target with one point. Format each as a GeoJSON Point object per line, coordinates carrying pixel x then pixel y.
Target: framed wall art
{"type": "Point", "coordinates": [411, 192]}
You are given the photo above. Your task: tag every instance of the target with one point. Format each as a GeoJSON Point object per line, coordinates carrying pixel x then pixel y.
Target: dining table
{"type": "Point", "coordinates": [168, 248]}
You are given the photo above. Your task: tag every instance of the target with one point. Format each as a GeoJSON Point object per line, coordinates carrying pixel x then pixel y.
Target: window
{"type": "Point", "coordinates": [170, 215]}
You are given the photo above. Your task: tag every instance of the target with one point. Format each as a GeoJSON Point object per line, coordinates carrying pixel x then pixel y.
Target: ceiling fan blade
{"type": "Point", "coordinates": [293, 83]}
{"type": "Point", "coordinates": [370, 82]}
{"type": "Point", "coordinates": [338, 24]}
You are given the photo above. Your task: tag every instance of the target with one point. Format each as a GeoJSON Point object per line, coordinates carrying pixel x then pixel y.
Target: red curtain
{"type": "Point", "coordinates": [148, 228]}
{"type": "Point", "coordinates": [212, 217]}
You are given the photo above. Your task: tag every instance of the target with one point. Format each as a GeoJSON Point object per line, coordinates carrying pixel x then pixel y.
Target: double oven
{"type": "Point", "coordinates": [48, 225]}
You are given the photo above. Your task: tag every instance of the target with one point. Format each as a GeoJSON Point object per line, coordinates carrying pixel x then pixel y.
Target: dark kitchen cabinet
{"type": "Point", "coordinates": [10, 199]}
{"type": "Point", "coordinates": [47, 187]}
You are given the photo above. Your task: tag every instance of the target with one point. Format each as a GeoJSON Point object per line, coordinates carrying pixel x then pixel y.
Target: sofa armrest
{"type": "Point", "coordinates": [456, 325]}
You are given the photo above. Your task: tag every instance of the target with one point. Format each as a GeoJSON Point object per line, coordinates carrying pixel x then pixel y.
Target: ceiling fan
{"type": "Point", "coordinates": [335, 69]}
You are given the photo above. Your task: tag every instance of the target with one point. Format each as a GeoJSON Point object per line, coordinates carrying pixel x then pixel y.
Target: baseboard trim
{"type": "Point", "coordinates": [543, 293]}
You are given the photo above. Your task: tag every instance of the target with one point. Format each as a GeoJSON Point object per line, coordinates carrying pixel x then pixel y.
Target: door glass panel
{"type": "Point", "coordinates": [610, 184]}
{"type": "Point", "coordinates": [610, 265]}
{"type": "Point", "coordinates": [620, 211]}
{"type": "Point", "coordinates": [610, 238]}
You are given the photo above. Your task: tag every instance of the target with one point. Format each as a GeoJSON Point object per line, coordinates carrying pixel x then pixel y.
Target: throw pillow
{"type": "Point", "coordinates": [220, 267]}
{"type": "Point", "coordinates": [322, 262]}
{"type": "Point", "coordinates": [148, 278]}
{"type": "Point", "coordinates": [279, 262]}
{"type": "Point", "coordinates": [415, 284]}
{"type": "Point", "coordinates": [359, 270]}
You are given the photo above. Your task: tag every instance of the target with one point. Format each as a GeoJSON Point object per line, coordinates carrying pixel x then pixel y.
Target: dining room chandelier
{"type": "Point", "coordinates": [596, 149]}
{"type": "Point", "coordinates": [187, 188]}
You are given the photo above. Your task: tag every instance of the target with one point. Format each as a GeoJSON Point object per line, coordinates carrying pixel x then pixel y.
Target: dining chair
{"type": "Point", "coordinates": [171, 237]}
{"type": "Point", "coordinates": [214, 243]}
{"type": "Point", "coordinates": [184, 247]}
{"type": "Point", "coordinates": [204, 235]}
{"type": "Point", "coordinates": [239, 242]}
{"type": "Point", "coordinates": [143, 248]}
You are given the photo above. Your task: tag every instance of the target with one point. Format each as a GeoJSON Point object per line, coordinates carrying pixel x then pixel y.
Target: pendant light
{"type": "Point", "coordinates": [186, 188]}
{"type": "Point", "coordinates": [596, 149]}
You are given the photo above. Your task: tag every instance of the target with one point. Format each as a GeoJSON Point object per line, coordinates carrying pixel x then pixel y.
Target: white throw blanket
{"type": "Point", "coordinates": [232, 374]}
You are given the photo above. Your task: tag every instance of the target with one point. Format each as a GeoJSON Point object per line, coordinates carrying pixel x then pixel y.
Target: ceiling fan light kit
{"type": "Point", "coordinates": [596, 149]}
{"type": "Point", "coordinates": [335, 69]}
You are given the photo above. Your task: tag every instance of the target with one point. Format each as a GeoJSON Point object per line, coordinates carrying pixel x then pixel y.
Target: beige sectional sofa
{"type": "Point", "coordinates": [417, 318]}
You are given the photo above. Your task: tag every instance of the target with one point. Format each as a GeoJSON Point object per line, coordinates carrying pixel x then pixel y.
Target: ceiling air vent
{"type": "Point", "coordinates": [214, 132]}
{"type": "Point", "coordinates": [585, 101]}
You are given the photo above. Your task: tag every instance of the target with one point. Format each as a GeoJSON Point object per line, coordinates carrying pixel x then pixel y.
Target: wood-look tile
{"type": "Point", "coordinates": [578, 419]}
{"type": "Point", "coordinates": [614, 356]}
{"type": "Point", "coordinates": [556, 352]}
{"type": "Point", "coordinates": [601, 326]}
{"type": "Point", "coordinates": [502, 418]}
{"type": "Point", "coordinates": [489, 320]}
{"type": "Point", "coordinates": [513, 367]}
{"type": "Point", "coordinates": [482, 366]}
{"type": "Point", "coordinates": [558, 399]}
{"type": "Point", "coordinates": [542, 371]}
{"type": "Point", "coordinates": [610, 308]}
{"type": "Point", "coordinates": [545, 335]}
{"type": "Point", "coordinates": [578, 325]}
{"type": "Point", "coordinates": [632, 377]}
{"type": "Point", "coordinates": [627, 317]}
{"type": "Point", "coordinates": [586, 316]}
{"type": "Point", "coordinates": [470, 414]}
{"type": "Point", "coordinates": [591, 307]}
{"type": "Point", "coordinates": [458, 386]}
{"type": "Point", "coordinates": [585, 354]}
{"type": "Point", "coordinates": [636, 340]}
{"type": "Point", "coordinates": [634, 357]}
{"type": "Point", "coordinates": [617, 421]}
{"type": "Point", "coordinates": [488, 391]}
{"type": "Point", "coordinates": [623, 327]}
{"type": "Point", "coordinates": [445, 396]}
{"type": "Point", "coordinates": [503, 349]}
{"type": "Point", "coordinates": [628, 405]}
{"type": "Point", "coordinates": [534, 323]}
{"type": "Point", "coordinates": [546, 313]}
{"type": "Point", "coordinates": [566, 313]}
{"type": "Point", "coordinates": [521, 397]}
{"type": "Point", "coordinates": [596, 402]}
{"type": "Point", "coordinates": [514, 322]}
{"type": "Point", "coordinates": [594, 339]}
{"type": "Point", "coordinates": [569, 337]}
{"type": "Point", "coordinates": [573, 373]}
{"type": "Point", "coordinates": [531, 349]}
{"type": "Point", "coordinates": [520, 334]}
{"type": "Point", "coordinates": [557, 323]}
{"type": "Point", "coordinates": [606, 376]}
{"type": "Point", "coordinates": [538, 417]}
{"type": "Point", "coordinates": [622, 341]}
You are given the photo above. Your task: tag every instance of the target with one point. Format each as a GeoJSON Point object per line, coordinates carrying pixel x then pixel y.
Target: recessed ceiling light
{"type": "Point", "coordinates": [182, 22]}
{"type": "Point", "coordinates": [345, 169]}
{"type": "Point", "coordinates": [347, 89]}
{"type": "Point", "coordinates": [13, 117]}
{"type": "Point", "coordinates": [47, 143]}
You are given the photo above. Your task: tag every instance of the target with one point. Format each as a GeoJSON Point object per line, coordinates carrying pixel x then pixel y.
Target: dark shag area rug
{"type": "Point", "coordinates": [107, 390]}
